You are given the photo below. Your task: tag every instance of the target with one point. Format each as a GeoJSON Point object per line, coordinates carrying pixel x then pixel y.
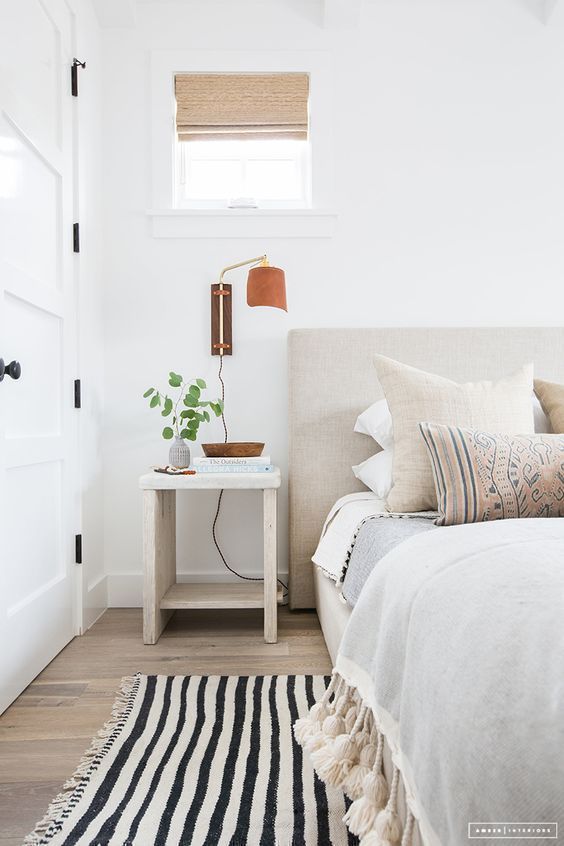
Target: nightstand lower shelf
{"type": "Point", "coordinates": [214, 595]}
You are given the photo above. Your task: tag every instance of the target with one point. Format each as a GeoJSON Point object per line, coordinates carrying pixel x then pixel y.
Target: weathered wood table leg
{"type": "Point", "coordinates": [270, 566]}
{"type": "Point", "coordinates": [159, 551]}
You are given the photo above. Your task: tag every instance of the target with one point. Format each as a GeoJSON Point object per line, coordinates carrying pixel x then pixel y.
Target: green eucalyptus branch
{"type": "Point", "coordinates": [188, 408]}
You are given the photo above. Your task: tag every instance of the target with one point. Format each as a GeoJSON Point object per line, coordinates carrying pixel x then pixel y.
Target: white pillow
{"type": "Point", "coordinates": [376, 421]}
{"type": "Point", "coordinates": [376, 472]}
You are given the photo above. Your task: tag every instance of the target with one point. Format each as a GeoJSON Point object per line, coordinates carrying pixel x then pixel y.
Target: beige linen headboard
{"type": "Point", "coordinates": [332, 379]}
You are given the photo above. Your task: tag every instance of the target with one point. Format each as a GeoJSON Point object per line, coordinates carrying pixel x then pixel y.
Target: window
{"type": "Point", "coordinates": [242, 140]}
{"type": "Point", "coordinates": [243, 173]}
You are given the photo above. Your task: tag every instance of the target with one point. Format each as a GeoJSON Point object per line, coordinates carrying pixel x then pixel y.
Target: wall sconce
{"type": "Point", "coordinates": [266, 286]}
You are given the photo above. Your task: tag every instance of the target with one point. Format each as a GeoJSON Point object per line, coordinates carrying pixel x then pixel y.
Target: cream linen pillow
{"type": "Point", "coordinates": [551, 396]}
{"type": "Point", "coordinates": [415, 396]}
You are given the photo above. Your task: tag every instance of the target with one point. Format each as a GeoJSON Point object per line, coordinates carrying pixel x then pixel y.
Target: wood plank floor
{"type": "Point", "coordinates": [45, 732]}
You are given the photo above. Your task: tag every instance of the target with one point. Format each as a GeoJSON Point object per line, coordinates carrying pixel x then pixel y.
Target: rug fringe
{"type": "Point", "coordinates": [351, 757]}
{"type": "Point", "coordinates": [101, 744]}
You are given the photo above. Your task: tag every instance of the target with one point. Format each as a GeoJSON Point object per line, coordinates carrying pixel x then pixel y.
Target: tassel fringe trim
{"type": "Point", "coordinates": [347, 751]}
{"type": "Point", "coordinates": [73, 789]}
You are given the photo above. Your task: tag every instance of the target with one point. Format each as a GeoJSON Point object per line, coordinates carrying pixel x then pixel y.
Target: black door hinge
{"type": "Point", "coordinates": [78, 549]}
{"type": "Point", "coordinates": [77, 394]}
{"type": "Point", "coordinates": [76, 64]}
{"type": "Point", "coordinates": [76, 237]}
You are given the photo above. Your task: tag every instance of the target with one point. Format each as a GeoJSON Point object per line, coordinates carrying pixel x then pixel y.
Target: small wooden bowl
{"type": "Point", "coordinates": [243, 449]}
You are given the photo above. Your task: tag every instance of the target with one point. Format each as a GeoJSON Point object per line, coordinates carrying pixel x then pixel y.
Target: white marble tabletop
{"type": "Point", "coordinates": [210, 481]}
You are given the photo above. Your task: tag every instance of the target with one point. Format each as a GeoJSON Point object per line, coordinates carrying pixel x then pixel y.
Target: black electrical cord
{"type": "Point", "coordinates": [220, 497]}
{"type": "Point", "coordinates": [219, 376]}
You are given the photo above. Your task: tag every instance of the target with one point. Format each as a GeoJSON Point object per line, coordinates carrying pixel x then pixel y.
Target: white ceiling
{"type": "Point", "coordinates": [122, 13]}
{"type": "Point", "coordinates": [336, 13]}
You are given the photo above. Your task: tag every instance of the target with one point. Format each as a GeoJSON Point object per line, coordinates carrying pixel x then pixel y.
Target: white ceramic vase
{"type": "Point", "coordinates": [179, 453]}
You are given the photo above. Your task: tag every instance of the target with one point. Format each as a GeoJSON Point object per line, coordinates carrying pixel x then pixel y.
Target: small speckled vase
{"type": "Point", "coordinates": [179, 453]}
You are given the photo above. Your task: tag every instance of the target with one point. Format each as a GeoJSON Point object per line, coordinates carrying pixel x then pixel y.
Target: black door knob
{"type": "Point", "coordinates": [12, 369]}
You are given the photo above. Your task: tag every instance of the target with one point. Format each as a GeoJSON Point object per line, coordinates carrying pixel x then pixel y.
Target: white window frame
{"type": "Point", "coordinates": [303, 202]}
{"type": "Point", "coordinates": [170, 219]}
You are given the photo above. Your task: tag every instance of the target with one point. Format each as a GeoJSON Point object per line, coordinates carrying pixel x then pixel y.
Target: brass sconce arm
{"type": "Point", "coordinates": [262, 260]}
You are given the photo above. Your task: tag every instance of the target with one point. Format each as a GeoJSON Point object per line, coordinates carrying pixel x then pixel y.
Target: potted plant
{"type": "Point", "coordinates": [186, 410]}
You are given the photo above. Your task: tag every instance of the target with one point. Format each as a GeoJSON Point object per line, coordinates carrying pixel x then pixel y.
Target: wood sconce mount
{"type": "Point", "coordinates": [221, 313]}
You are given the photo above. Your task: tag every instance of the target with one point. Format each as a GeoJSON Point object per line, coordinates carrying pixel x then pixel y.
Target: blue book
{"type": "Point", "coordinates": [234, 468]}
{"type": "Point", "coordinates": [205, 461]}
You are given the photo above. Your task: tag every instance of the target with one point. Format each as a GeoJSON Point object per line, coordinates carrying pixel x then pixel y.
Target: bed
{"type": "Point", "coordinates": [331, 380]}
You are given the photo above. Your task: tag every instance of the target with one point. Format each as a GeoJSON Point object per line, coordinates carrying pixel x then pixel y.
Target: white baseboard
{"type": "Point", "coordinates": [96, 602]}
{"type": "Point", "coordinates": [125, 590]}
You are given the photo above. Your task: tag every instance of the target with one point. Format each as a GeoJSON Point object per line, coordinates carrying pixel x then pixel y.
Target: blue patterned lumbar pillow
{"type": "Point", "coordinates": [480, 476]}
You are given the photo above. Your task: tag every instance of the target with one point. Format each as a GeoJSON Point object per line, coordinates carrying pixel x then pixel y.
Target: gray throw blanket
{"type": "Point", "coordinates": [377, 536]}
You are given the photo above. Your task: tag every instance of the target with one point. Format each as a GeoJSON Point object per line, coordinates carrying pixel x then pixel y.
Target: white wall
{"type": "Point", "coordinates": [449, 137]}
{"type": "Point", "coordinates": [89, 188]}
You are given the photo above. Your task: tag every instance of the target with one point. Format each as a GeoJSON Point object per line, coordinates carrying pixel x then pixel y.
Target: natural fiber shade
{"type": "Point", "coordinates": [233, 106]}
{"type": "Point", "coordinates": [266, 286]}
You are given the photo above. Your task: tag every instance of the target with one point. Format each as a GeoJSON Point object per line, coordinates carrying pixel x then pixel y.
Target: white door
{"type": "Point", "coordinates": [39, 506]}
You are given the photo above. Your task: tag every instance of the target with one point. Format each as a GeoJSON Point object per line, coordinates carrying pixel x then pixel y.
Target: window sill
{"type": "Point", "coordinates": [243, 223]}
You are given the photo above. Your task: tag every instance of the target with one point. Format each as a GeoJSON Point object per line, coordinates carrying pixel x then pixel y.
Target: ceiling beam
{"type": "Point", "coordinates": [341, 14]}
{"type": "Point", "coordinates": [553, 10]}
{"type": "Point", "coordinates": [116, 13]}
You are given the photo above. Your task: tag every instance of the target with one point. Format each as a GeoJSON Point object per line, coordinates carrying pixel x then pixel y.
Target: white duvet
{"type": "Point", "coordinates": [457, 646]}
{"type": "Point", "coordinates": [340, 529]}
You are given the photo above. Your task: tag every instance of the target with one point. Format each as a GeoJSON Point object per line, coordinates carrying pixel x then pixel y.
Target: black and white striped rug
{"type": "Point", "coordinates": [200, 761]}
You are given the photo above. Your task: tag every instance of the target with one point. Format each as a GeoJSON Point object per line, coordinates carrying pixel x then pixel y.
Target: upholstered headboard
{"type": "Point", "coordinates": [332, 379]}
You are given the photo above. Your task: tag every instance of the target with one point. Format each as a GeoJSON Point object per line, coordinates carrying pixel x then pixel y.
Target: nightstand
{"type": "Point", "coordinates": [162, 594]}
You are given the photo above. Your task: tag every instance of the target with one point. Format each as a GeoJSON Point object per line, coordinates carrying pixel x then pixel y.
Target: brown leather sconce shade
{"type": "Point", "coordinates": [266, 286]}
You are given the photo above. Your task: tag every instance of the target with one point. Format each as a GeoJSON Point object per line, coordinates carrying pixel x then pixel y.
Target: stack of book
{"type": "Point", "coordinates": [261, 464]}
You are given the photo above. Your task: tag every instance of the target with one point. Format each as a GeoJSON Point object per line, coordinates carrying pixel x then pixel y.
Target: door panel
{"type": "Point", "coordinates": [30, 207]}
{"type": "Point", "coordinates": [36, 336]}
{"type": "Point", "coordinates": [36, 543]}
{"type": "Point", "coordinates": [37, 82]}
{"type": "Point", "coordinates": [39, 505]}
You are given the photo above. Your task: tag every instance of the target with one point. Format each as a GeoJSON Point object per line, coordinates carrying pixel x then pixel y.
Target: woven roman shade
{"type": "Point", "coordinates": [241, 106]}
